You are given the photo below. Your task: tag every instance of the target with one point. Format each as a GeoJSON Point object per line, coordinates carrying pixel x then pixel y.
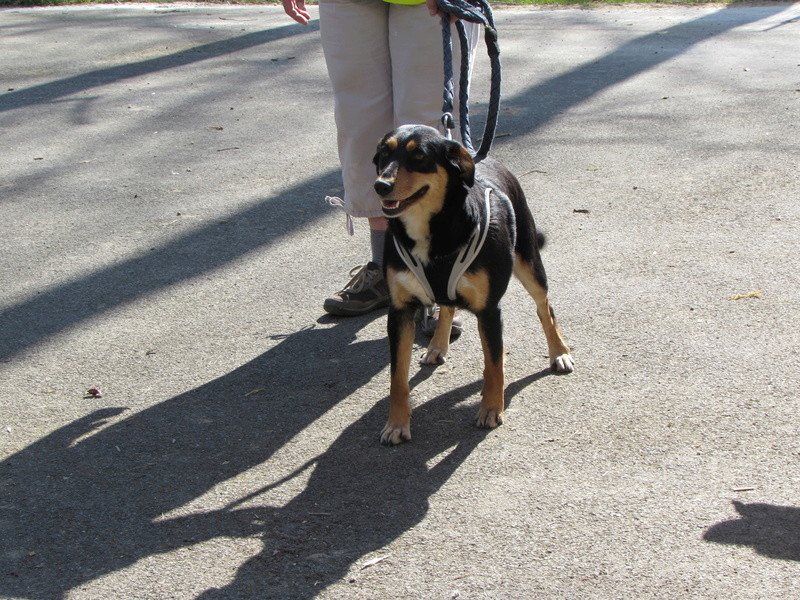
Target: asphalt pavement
{"type": "Point", "coordinates": [166, 244]}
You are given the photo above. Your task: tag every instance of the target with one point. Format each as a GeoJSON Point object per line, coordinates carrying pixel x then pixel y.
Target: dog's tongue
{"type": "Point", "coordinates": [391, 203]}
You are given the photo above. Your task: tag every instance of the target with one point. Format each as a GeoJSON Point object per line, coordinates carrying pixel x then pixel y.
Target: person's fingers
{"type": "Point", "coordinates": [296, 9]}
{"type": "Point", "coordinates": [435, 11]}
{"type": "Point", "coordinates": [433, 8]}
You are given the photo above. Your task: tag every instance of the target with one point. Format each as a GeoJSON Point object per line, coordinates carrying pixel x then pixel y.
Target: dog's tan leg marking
{"type": "Point", "coordinates": [398, 426]}
{"type": "Point", "coordinates": [490, 413]}
{"type": "Point", "coordinates": [474, 288]}
{"type": "Point", "coordinates": [560, 357]}
{"type": "Point", "coordinates": [440, 342]}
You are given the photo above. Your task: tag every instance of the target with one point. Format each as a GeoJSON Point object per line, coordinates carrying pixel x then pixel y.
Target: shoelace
{"type": "Point", "coordinates": [362, 277]}
{"type": "Point", "coordinates": [339, 203]}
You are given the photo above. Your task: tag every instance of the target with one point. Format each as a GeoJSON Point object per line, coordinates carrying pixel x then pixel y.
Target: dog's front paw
{"type": "Point", "coordinates": [562, 363]}
{"type": "Point", "coordinates": [394, 433]}
{"type": "Point", "coordinates": [489, 418]}
{"type": "Point", "coordinates": [434, 356]}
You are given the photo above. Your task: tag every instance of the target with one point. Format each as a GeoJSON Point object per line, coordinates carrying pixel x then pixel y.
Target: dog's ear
{"type": "Point", "coordinates": [460, 158]}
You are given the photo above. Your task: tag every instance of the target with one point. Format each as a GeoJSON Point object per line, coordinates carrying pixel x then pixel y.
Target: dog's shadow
{"type": "Point", "coordinates": [96, 495]}
{"type": "Point", "coordinates": [360, 497]}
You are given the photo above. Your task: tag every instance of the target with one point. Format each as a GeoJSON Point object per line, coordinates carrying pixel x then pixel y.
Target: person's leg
{"type": "Point", "coordinates": [415, 43]}
{"type": "Point", "coordinates": [354, 41]}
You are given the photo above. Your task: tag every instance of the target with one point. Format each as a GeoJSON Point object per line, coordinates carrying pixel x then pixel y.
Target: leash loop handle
{"type": "Point", "coordinates": [473, 11]}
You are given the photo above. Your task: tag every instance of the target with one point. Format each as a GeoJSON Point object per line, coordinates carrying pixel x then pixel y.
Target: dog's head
{"type": "Point", "coordinates": [417, 166]}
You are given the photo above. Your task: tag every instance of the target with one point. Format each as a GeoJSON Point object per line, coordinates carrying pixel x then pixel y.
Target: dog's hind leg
{"type": "Point", "coordinates": [401, 337]}
{"type": "Point", "coordinates": [531, 274]}
{"type": "Point", "coordinates": [490, 326]}
{"type": "Point", "coordinates": [440, 342]}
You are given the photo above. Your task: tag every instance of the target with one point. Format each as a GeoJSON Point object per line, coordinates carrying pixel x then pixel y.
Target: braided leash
{"type": "Point", "coordinates": [474, 11]}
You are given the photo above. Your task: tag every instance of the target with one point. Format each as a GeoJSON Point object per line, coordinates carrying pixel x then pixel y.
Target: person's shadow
{"type": "Point", "coordinates": [91, 498]}
{"type": "Point", "coordinates": [773, 531]}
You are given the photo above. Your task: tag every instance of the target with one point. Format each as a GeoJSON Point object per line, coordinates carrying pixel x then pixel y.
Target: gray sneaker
{"type": "Point", "coordinates": [366, 291]}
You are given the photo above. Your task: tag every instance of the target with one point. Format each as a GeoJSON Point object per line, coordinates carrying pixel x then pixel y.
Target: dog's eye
{"type": "Point", "coordinates": [419, 156]}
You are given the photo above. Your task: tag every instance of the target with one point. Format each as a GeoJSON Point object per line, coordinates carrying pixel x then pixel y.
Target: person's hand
{"type": "Point", "coordinates": [435, 11]}
{"type": "Point", "coordinates": [297, 10]}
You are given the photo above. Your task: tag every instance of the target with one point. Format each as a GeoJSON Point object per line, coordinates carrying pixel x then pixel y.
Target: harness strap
{"type": "Point", "coordinates": [415, 267]}
{"type": "Point", "coordinates": [463, 261]}
{"type": "Point", "coordinates": [467, 256]}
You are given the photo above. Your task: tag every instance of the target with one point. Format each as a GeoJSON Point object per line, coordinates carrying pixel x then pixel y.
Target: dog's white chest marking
{"type": "Point", "coordinates": [420, 233]}
{"type": "Point", "coordinates": [422, 251]}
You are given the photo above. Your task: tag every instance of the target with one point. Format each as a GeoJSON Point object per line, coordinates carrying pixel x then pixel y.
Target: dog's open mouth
{"type": "Point", "coordinates": [392, 208]}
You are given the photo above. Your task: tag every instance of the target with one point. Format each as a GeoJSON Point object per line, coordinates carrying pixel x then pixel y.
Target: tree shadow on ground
{"type": "Point", "coordinates": [60, 88]}
{"type": "Point", "coordinates": [772, 531]}
{"type": "Point", "coordinates": [535, 106]}
{"type": "Point", "coordinates": [204, 249]}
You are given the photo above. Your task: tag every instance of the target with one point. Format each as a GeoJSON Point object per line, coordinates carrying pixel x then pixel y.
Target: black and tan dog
{"type": "Point", "coordinates": [459, 230]}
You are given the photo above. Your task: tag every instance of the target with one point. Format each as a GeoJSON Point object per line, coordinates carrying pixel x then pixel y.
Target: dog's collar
{"type": "Point", "coordinates": [463, 260]}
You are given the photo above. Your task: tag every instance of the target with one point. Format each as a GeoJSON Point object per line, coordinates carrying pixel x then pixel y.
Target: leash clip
{"type": "Point", "coordinates": [449, 125]}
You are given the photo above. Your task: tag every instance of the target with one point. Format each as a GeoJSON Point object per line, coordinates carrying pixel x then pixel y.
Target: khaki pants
{"type": "Point", "coordinates": [385, 64]}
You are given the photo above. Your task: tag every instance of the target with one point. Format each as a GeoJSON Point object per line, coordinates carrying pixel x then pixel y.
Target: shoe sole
{"type": "Point", "coordinates": [455, 333]}
{"type": "Point", "coordinates": [340, 311]}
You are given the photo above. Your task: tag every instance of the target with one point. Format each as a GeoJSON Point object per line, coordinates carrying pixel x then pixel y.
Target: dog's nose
{"type": "Point", "coordinates": [383, 187]}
